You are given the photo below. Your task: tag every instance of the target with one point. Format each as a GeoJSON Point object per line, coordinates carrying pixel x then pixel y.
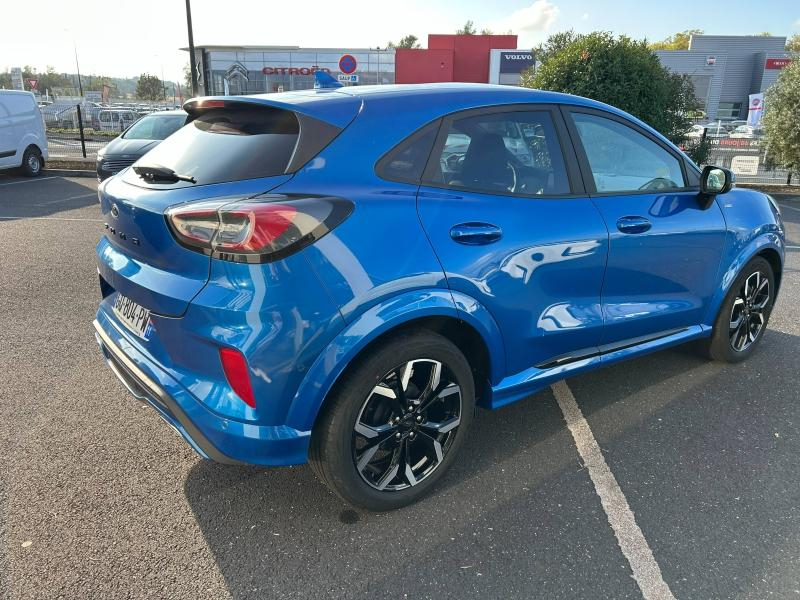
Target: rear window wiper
{"type": "Point", "coordinates": [159, 173]}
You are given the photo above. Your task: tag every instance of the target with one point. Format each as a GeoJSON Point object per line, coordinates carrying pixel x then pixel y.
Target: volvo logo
{"type": "Point", "coordinates": [114, 211]}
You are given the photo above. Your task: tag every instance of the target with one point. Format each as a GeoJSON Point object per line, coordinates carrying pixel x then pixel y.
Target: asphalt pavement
{"type": "Point", "coordinates": [99, 499]}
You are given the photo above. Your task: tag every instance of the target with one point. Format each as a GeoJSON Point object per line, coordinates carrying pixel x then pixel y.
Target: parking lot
{"type": "Point", "coordinates": [99, 499]}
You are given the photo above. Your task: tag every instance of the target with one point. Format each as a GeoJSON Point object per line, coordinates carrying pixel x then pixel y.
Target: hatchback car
{"type": "Point", "coordinates": [141, 137]}
{"type": "Point", "coordinates": [340, 276]}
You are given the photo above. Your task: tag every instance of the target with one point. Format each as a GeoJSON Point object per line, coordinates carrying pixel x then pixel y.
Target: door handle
{"type": "Point", "coordinates": [633, 224]}
{"type": "Point", "coordinates": [475, 234]}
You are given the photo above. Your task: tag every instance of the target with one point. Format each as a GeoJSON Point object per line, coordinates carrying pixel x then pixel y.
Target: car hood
{"type": "Point", "coordinates": [134, 147]}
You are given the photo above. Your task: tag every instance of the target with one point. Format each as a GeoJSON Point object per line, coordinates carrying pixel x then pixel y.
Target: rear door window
{"type": "Point", "coordinates": [227, 144]}
{"type": "Point", "coordinates": [508, 152]}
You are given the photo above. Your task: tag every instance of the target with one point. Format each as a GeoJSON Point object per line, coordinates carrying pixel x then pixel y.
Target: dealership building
{"type": "Point", "coordinates": [726, 69]}
{"type": "Point", "coordinates": [232, 70]}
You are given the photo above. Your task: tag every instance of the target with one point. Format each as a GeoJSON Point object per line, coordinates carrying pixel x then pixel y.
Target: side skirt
{"type": "Point", "coordinates": [523, 384]}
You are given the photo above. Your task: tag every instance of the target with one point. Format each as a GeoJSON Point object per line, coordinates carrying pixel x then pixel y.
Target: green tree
{"type": "Point", "coordinates": [679, 41]}
{"type": "Point", "coordinates": [486, 31]}
{"type": "Point", "coordinates": [409, 41]}
{"type": "Point", "coordinates": [782, 119]}
{"type": "Point", "coordinates": [187, 80]}
{"type": "Point", "coordinates": [468, 29]}
{"type": "Point", "coordinates": [149, 87]}
{"type": "Point", "coordinates": [793, 43]}
{"type": "Point", "coordinates": [618, 71]}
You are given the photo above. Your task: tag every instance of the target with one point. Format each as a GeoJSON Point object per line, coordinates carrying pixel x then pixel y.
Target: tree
{"type": "Point", "coordinates": [409, 41]}
{"type": "Point", "coordinates": [486, 31]}
{"type": "Point", "coordinates": [618, 71]}
{"type": "Point", "coordinates": [468, 29]}
{"type": "Point", "coordinates": [782, 119]}
{"type": "Point", "coordinates": [149, 87]}
{"type": "Point", "coordinates": [679, 41]}
{"type": "Point", "coordinates": [793, 43]}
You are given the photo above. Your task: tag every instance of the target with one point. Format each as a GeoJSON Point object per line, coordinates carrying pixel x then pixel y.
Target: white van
{"type": "Point", "coordinates": [111, 119]}
{"type": "Point", "coordinates": [23, 143]}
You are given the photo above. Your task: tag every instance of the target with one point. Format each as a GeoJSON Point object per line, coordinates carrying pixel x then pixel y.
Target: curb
{"type": "Point", "coordinates": [69, 173]}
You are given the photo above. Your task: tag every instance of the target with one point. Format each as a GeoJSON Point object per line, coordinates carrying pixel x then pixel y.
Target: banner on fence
{"type": "Point", "coordinates": [745, 164]}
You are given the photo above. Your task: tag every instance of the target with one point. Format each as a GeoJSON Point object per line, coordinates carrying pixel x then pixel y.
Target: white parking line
{"type": "Point", "coordinates": [28, 180]}
{"type": "Point", "coordinates": [789, 207]}
{"type": "Point", "coordinates": [631, 541]}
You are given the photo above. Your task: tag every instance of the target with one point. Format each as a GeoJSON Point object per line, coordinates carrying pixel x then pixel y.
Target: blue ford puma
{"type": "Point", "coordinates": [339, 276]}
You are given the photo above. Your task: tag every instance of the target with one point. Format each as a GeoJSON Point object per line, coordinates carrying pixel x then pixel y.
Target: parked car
{"type": "Point", "coordinates": [745, 131]}
{"type": "Point", "coordinates": [141, 137]}
{"type": "Point", "coordinates": [111, 119]}
{"type": "Point", "coordinates": [23, 143]}
{"type": "Point", "coordinates": [696, 131]}
{"type": "Point", "coordinates": [307, 277]}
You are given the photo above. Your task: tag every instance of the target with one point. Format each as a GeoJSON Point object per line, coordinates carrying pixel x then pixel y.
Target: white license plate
{"type": "Point", "coordinates": [134, 316]}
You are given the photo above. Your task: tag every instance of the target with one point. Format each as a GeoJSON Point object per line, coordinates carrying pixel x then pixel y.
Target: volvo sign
{"type": "Point", "coordinates": [515, 61]}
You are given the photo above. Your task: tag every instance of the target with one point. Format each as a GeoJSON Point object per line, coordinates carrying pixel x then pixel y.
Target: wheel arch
{"type": "Point", "coordinates": [768, 246]}
{"type": "Point", "coordinates": [475, 333]}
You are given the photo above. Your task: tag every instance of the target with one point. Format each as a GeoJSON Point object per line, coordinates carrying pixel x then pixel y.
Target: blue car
{"type": "Point", "coordinates": [339, 276]}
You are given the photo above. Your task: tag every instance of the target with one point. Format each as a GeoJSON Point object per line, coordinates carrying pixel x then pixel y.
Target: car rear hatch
{"type": "Point", "coordinates": [235, 148]}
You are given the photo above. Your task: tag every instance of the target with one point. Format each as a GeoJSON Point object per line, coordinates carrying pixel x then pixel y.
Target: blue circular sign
{"type": "Point", "coordinates": [348, 64]}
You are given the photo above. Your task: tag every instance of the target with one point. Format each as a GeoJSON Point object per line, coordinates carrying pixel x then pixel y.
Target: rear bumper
{"type": "Point", "coordinates": [212, 436]}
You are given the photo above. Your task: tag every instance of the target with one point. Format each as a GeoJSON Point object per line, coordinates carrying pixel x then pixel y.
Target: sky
{"type": "Point", "coordinates": [124, 39]}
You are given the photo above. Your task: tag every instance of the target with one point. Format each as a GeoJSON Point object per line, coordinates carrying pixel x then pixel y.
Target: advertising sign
{"type": "Point", "coordinates": [745, 165]}
{"type": "Point", "coordinates": [16, 79]}
{"type": "Point", "coordinates": [777, 63]}
{"type": "Point", "coordinates": [755, 110]}
{"type": "Point", "coordinates": [93, 96]}
{"type": "Point", "coordinates": [515, 62]}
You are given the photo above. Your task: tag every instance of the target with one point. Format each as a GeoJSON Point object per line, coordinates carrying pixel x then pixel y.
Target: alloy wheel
{"type": "Point", "coordinates": [34, 164]}
{"type": "Point", "coordinates": [406, 425]}
{"type": "Point", "coordinates": [748, 311]}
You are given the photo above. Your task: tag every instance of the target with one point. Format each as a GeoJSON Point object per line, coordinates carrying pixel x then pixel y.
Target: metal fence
{"type": "Point", "coordinates": [747, 158]}
{"type": "Point", "coordinates": [76, 131]}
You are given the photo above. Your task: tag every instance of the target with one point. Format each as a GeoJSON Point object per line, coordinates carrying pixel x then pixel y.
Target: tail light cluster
{"type": "Point", "coordinates": [254, 230]}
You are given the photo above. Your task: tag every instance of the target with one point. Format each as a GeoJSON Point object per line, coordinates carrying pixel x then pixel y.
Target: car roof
{"type": "Point", "coordinates": [338, 106]}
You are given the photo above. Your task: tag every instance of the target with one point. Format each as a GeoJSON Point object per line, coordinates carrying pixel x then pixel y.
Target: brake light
{"type": "Point", "coordinates": [260, 229]}
{"type": "Point", "coordinates": [235, 366]}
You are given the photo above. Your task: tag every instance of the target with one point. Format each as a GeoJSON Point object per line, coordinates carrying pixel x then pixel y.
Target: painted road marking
{"type": "Point", "coordinates": [30, 180]}
{"type": "Point", "coordinates": [789, 207]}
{"type": "Point", "coordinates": [631, 541]}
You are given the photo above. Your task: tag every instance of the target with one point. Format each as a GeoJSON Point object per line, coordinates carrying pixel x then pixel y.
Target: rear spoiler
{"type": "Point", "coordinates": [325, 105]}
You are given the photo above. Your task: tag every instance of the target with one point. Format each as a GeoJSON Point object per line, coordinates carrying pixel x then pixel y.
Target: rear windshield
{"type": "Point", "coordinates": [155, 127]}
{"type": "Point", "coordinates": [227, 144]}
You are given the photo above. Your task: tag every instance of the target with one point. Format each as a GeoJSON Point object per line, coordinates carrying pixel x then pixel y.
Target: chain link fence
{"type": "Point", "coordinates": [76, 131]}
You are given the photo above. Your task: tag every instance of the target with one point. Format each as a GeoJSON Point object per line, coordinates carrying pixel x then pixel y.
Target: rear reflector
{"type": "Point", "coordinates": [236, 372]}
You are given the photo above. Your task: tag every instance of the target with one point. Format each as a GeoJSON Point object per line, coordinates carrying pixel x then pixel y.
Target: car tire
{"type": "Point", "coordinates": [380, 452]}
{"type": "Point", "coordinates": [749, 303]}
{"type": "Point", "coordinates": [32, 162]}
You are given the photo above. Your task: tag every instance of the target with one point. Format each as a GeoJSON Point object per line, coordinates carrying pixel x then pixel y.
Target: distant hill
{"type": "Point", "coordinates": [67, 83]}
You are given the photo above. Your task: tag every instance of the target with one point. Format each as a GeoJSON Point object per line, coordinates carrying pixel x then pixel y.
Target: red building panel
{"type": "Point", "coordinates": [450, 58]}
{"type": "Point", "coordinates": [423, 66]}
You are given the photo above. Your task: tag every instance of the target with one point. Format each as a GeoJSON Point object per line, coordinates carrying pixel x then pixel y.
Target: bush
{"type": "Point", "coordinates": [619, 71]}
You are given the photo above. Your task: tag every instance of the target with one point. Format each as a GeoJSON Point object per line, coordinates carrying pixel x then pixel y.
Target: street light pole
{"type": "Point", "coordinates": [192, 62]}
{"type": "Point", "coordinates": [78, 68]}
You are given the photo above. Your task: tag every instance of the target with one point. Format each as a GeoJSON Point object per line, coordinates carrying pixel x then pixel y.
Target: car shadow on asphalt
{"type": "Point", "coordinates": [512, 455]}
{"type": "Point", "coordinates": [29, 198]}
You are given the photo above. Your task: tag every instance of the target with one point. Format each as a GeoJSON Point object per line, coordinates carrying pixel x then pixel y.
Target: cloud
{"type": "Point", "coordinates": [537, 17]}
{"type": "Point", "coordinates": [585, 17]}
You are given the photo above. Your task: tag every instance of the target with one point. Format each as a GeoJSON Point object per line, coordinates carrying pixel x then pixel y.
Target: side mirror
{"type": "Point", "coordinates": [715, 180]}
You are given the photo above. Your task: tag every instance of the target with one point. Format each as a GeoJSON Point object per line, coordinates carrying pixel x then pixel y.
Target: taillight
{"type": "Point", "coordinates": [235, 366]}
{"type": "Point", "coordinates": [260, 229]}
